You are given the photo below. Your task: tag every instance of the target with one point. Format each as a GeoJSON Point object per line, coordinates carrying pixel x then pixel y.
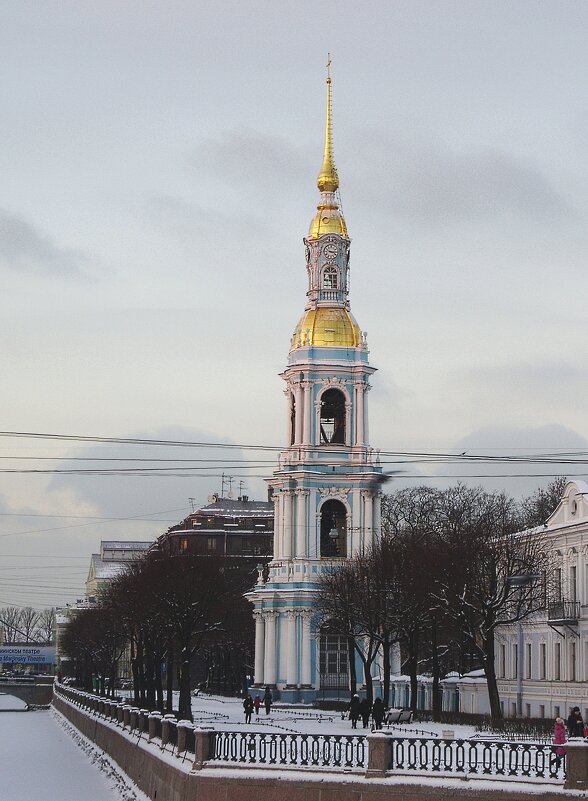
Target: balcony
{"type": "Point", "coordinates": [563, 613]}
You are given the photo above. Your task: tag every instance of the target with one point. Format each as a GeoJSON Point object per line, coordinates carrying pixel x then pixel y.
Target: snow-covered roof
{"type": "Point", "coordinates": [125, 545]}
{"type": "Point", "coordinates": [100, 569]}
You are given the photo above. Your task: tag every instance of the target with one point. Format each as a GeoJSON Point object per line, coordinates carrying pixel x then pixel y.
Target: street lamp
{"type": "Point", "coordinates": [521, 580]}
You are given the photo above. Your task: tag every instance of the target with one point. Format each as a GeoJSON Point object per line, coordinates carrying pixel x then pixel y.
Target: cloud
{"type": "Point", "coordinates": [431, 184]}
{"type": "Point", "coordinates": [24, 248]}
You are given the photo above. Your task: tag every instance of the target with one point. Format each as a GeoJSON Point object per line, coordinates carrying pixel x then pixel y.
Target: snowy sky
{"type": "Point", "coordinates": [158, 166]}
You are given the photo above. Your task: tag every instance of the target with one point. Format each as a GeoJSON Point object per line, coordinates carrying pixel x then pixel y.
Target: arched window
{"type": "Point", "coordinates": [333, 530]}
{"type": "Point", "coordinates": [332, 418]}
{"type": "Point", "coordinates": [330, 278]}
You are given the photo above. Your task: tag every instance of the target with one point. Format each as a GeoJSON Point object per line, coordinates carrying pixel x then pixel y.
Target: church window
{"type": "Point", "coordinates": [292, 419]}
{"type": "Point", "coordinates": [330, 278]}
{"type": "Point", "coordinates": [332, 423]}
{"type": "Point", "coordinates": [333, 521]}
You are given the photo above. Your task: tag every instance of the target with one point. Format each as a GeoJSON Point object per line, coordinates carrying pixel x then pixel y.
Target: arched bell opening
{"type": "Point", "coordinates": [332, 419]}
{"type": "Point", "coordinates": [333, 530]}
{"type": "Point", "coordinates": [292, 419]}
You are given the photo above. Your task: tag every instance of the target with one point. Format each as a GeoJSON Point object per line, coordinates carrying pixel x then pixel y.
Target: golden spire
{"type": "Point", "coordinates": [328, 180]}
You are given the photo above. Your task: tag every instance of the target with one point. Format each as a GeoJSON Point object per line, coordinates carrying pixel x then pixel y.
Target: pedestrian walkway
{"type": "Point", "coordinates": [40, 761]}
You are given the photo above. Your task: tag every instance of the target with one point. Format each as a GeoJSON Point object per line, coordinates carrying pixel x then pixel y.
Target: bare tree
{"type": "Point", "coordinates": [537, 507]}
{"type": "Point", "coordinates": [45, 626]}
{"type": "Point", "coordinates": [10, 624]}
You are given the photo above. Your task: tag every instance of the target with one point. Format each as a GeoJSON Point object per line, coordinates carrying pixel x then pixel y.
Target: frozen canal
{"type": "Point", "coordinates": [41, 761]}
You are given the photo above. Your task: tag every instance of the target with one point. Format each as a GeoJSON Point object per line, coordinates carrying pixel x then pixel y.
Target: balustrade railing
{"type": "Point", "coordinates": [481, 757]}
{"type": "Point", "coordinates": [525, 761]}
{"type": "Point", "coordinates": [295, 750]}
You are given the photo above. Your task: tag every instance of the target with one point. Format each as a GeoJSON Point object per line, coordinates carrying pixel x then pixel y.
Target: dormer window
{"type": "Point", "coordinates": [330, 278]}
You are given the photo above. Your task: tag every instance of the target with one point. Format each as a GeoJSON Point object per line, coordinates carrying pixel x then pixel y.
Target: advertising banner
{"type": "Point", "coordinates": [27, 655]}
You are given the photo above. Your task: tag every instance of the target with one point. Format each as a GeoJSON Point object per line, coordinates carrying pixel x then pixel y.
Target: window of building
{"type": "Point", "coordinates": [333, 531]}
{"type": "Point", "coordinates": [555, 711]}
{"type": "Point", "coordinates": [528, 663]}
{"type": "Point", "coordinates": [330, 278]}
{"type": "Point", "coordinates": [211, 543]}
{"type": "Point", "coordinates": [184, 544]}
{"type": "Point", "coordinates": [527, 710]}
{"type": "Point", "coordinates": [557, 660]}
{"type": "Point", "coordinates": [332, 423]}
{"type": "Point", "coordinates": [502, 662]}
{"type": "Point", "coordinates": [573, 585]}
{"type": "Point", "coordinates": [333, 661]}
{"type": "Point", "coordinates": [543, 661]}
{"type": "Point", "coordinates": [558, 584]}
{"type": "Point", "coordinates": [513, 709]}
{"type": "Point", "coordinates": [541, 710]}
{"type": "Point", "coordinates": [292, 419]}
{"type": "Point", "coordinates": [573, 660]}
{"type": "Point", "coordinates": [515, 661]}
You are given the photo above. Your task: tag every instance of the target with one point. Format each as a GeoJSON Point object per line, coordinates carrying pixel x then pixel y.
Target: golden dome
{"type": "Point", "coordinates": [327, 325]}
{"type": "Point", "coordinates": [327, 220]}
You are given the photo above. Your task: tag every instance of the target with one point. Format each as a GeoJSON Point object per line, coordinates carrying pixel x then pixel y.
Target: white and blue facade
{"type": "Point", "coordinates": [326, 485]}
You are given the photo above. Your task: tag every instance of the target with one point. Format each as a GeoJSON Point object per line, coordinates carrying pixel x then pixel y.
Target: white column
{"type": "Point", "coordinates": [299, 414]}
{"type": "Point", "coordinates": [277, 525]}
{"type": "Point", "coordinates": [377, 515]}
{"type": "Point", "coordinates": [300, 550]}
{"type": "Point", "coordinates": [355, 538]}
{"type": "Point", "coordinates": [359, 414]}
{"type": "Point", "coordinates": [269, 668]}
{"type": "Point", "coordinates": [287, 525]}
{"type": "Point", "coordinates": [292, 666]}
{"type": "Point", "coordinates": [307, 412]}
{"type": "Point", "coordinates": [366, 417]}
{"type": "Point", "coordinates": [288, 394]}
{"type": "Point", "coordinates": [367, 518]}
{"type": "Point", "coordinates": [305, 647]}
{"type": "Point", "coordinates": [259, 647]}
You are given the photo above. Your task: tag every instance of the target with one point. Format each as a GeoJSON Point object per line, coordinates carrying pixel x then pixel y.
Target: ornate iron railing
{"type": "Point", "coordinates": [477, 757]}
{"type": "Point", "coordinates": [563, 610]}
{"type": "Point", "coordinates": [296, 750]}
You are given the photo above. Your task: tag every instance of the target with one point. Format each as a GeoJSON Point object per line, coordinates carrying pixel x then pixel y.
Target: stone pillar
{"type": "Point", "coordinates": [299, 414]}
{"type": "Point", "coordinates": [288, 394]}
{"type": "Point", "coordinates": [307, 412]}
{"type": "Point", "coordinates": [379, 754]}
{"type": "Point", "coordinates": [183, 725]}
{"type": "Point", "coordinates": [153, 717]}
{"type": "Point", "coordinates": [259, 647]}
{"type": "Point", "coordinates": [377, 517]}
{"type": "Point", "coordinates": [126, 715]}
{"type": "Point", "coordinates": [269, 668]}
{"type": "Point", "coordinates": [277, 499]}
{"type": "Point", "coordinates": [355, 527]}
{"type": "Point", "coordinates": [359, 414]}
{"type": "Point", "coordinates": [201, 748]}
{"type": "Point", "coordinates": [366, 417]}
{"type": "Point", "coordinates": [576, 764]}
{"type": "Point", "coordinates": [368, 522]}
{"type": "Point", "coordinates": [305, 655]}
{"type": "Point", "coordinates": [292, 666]}
{"type": "Point", "coordinates": [300, 550]}
{"type": "Point", "coordinates": [166, 723]}
{"type": "Point", "coordinates": [287, 525]}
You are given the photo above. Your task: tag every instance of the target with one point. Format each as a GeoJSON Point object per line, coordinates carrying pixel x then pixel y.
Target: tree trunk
{"type": "Point", "coordinates": [184, 705]}
{"type": "Point", "coordinates": [436, 700]}
{"type": "Point", "coordinates": [158, 683]}
{"type": "Point", "coordinates": [386, 666]}
{"type": "Point", "coordinates": [490, 671]}
{"type": "Point", "coordinates": [352, 671]}
{"type": "Point", "coordinates": [413, 663]}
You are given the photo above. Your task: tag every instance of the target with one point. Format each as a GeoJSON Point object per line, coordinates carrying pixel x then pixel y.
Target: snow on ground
{"type": "Point", "coordinates": [43, 758]}
{"type": "Point", "coordinates": [217, 712]}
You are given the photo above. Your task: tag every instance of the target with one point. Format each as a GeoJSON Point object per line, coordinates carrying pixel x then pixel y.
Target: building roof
{"type": "Point", "coordinates": [105, 569]}
{"type": "Point", "coordinates": [125, 545]}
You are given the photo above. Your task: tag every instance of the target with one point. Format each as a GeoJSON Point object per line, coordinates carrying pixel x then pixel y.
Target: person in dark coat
{"type": "Point", "coordinates": [365, 709]}
{"type": "Point", "coordinates": [378, 712]}
{"type": "Point", "coordinates": [575, 723]}
{"type": "Point", "coordinates": [559, 738]}
{"type": "Point", "coordinates": [248, 708]}
{"type": "Point", "coordinates": [267, 700]}
{"type": "Point", "coordinates": [354, 711]}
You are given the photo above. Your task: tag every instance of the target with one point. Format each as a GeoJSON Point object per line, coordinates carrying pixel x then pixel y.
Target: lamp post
{"type": "Point", "coordinates": [521, 580]}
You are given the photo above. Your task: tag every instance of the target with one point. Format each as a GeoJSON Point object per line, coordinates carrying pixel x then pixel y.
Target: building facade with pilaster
{"type": "Point", "coordinates": [326, 488]}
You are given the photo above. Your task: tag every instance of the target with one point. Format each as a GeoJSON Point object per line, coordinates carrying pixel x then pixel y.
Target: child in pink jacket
{"type": "Point", "coordinates": [559, 738]}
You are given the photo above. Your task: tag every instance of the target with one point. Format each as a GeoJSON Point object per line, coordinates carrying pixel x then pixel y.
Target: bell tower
{"type": "Point", "coordinates": [326, 485]}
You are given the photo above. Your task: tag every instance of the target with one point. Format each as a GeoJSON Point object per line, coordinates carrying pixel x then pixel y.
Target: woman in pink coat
{"type": "Point", "coordinates": [559, 738]}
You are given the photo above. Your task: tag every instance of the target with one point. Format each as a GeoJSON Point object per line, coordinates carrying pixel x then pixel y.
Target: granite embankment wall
{"type": "Point", "coordinates": [164, 777]}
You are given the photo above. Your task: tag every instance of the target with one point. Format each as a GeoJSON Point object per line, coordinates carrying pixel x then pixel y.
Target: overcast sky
{"type": "Point", "coordinates": [158, 168]}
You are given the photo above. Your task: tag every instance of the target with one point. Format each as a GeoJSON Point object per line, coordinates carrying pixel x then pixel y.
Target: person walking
{"type": "Point", "coordinates": [354, 711]}
{"type": "Point", "coordinates": [575, 723]}
{"type": "Point", "coordinates": [378, 712]}
{"type": "Point", "coordinates": [365, 709]}
{"type": "Point", "coordinates": [257, 704]}
{"type": "Point", "coordinates": [248, 707]}
{"type": "Point", "coordinates": [559, 738]}
{"type": "Point", "coordinates": [267, 700]}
